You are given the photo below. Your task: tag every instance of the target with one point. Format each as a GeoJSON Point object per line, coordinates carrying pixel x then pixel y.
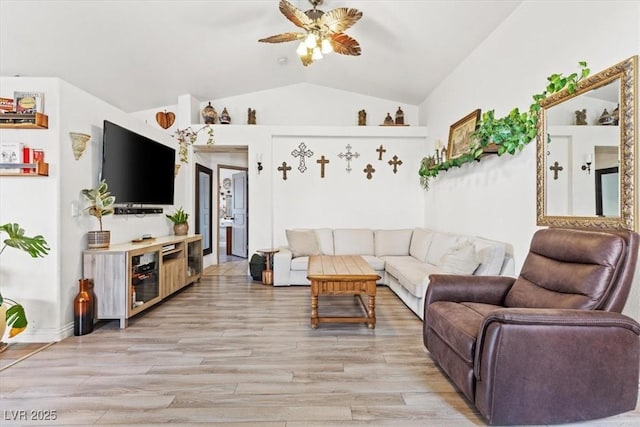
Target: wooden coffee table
{"type": "Point", "coordinates": [342, 275]}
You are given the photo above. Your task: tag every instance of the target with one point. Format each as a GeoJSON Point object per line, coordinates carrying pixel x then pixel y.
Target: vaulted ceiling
{"type": "Point", "coordinates": [140, 54]}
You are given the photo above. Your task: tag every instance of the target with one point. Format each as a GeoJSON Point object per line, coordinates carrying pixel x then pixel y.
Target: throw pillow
{"type": "Point", "coordinates": [303, 243]}
{"type": "Point", "coordinates": [460, 259]}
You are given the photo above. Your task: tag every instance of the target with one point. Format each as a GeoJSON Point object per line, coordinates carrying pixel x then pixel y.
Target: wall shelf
{"type": "Point", "coordinates": [24, 121]}
{"type": "Point", "coordinates": [38, 169]}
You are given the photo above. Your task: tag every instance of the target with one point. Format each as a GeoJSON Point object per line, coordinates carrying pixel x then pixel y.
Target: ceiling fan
{"type": "Point", "coordinates": [324, 32]}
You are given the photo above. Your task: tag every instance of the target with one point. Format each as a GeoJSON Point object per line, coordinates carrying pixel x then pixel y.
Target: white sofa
{"type": "Point", "coordinates": [403, 258]}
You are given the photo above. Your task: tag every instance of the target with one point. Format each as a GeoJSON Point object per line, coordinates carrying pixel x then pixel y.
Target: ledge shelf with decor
{"type": "Point", "coordinates": [24, 121]}
{"type": "Point", "coordinates": [131, 277]}
{"type": "Point", "coordinates": [36, 169]}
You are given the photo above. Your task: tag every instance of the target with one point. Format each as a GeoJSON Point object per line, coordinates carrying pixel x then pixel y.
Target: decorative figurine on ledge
{"type": "Point", "coordinates": [399, 116]}
{"type": "Point", "coordinates": [605, 119]}
{"type": "Point", "coordinates": [225, 118]}
{"type": "Point", "coordinates": [615, 115]}
{"type": "Point", "coordinates": [362, 118]}
{"type": "Point", "coordinates": [388, 121]}
{"type": "Point", "coordinates": [251, 117]}
{"type": "Point", "coordinates": [209, 114]}
{"type": "Point", "coordinates": [581, 117]}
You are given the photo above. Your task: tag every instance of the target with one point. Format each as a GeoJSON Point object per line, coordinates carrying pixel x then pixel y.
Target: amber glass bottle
{"type": "Point", "coordinates": [83, 308]}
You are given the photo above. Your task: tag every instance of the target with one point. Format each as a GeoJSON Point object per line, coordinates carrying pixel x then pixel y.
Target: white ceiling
{"type": "Point", "coordinates": [139, 55]}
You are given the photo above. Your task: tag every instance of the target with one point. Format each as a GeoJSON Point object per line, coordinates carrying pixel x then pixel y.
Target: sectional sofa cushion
{"type": "Point", "coordinates": [352, 241]}
{"type": "Point", "coordinates": [303, 242]}
{"type": "Point", "coordinates": [440, 244]}
{"type": "Point", "coordinates": [491, 256]}
{"type": "Point", "coordinates": [420, 242]}
{"type": "Point", "coordinates": [413, 276]}
{"type": "Point", "coordinates": [460, 259]}
{"type": "Point", "coordinates": [325, 240]}
{"type": "Point", "coordinates": [392, 242]}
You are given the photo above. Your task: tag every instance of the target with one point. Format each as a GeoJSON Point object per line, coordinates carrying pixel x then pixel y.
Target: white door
{"type": "Point", "coordinates": [239, 213]}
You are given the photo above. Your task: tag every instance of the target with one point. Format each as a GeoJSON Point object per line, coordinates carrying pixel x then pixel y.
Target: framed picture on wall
{"type": "Point", "coordinates": [460, 135]}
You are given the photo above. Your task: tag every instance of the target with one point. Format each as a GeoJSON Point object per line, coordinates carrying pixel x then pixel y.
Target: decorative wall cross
{"type": "Point", "coordinates": [302, 152]}
{"type": "Point", "coordinates": [369, 170]}
{"type": "Point", "coordinates": [284, 168]}
{"type": "Point", "coordinates": [322, 161]}
{"type": "Point", "coordinates": [348, 156]}
{"type": "Point", "coordinates": [556, 168]}
{"type": "Point", "coordinates": [380, 151]}
{"type": "Point", "coordinates": [395, 163]}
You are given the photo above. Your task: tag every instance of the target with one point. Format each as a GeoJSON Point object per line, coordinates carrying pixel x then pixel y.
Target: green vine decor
{"type": "Point", "coordinates": [187, 137]}
{"type": "Point", "coordinates": [510, 134]}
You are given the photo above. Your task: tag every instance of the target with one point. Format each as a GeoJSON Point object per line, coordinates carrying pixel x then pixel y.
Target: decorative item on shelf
{"type": "Point", "coordinates": [13, 314]}
{"type": "Point", "coordinates": [581, 117]}
{"type": "Point", "coordinates": [302, 152]}
{"type": "Point", "coordinates": [187, 137]}
{"type": "Point", "coordinates": [362, 118]}
{"type": "Point", "coordinates": [79, 143]}
{"type": "Point", "coordinates": [510, 133]}
{"type": "Point", "coordinates": [399, 116]}
{"type": "Point", "coordinates": [29, 102]}
{"type": "Point", "coordinates": [180, 224]}
{"type": "Point", "coordinates": [284, 168]}
{"type": "Point", "coordinates": [587, 164]}
{"type": "Point", "coordinates": [209, 114]}
{"type": "Point", "coordinates": [225, 118]}
{"type": "Point", "coordinates": [100, 204]}
{"type": "Point", "coordinates": [322, 162]}
{"type": "Point", "coordinates": [323, 31]}
{"type": "Point", "coordinates": [251, 116]}
{"type": "Point", "coordinates": [7, 105]}
{"type": "Point", "coordinates": [460, 135]}
{"type": "Point", "coordinates": [388, 121]}
{"type": "Point", "coordinates": [165, 119]}
{"type": "Point", "coordinates": [369, 170]}
{"type": "Point", "coordinates": [605, 118]}
{"type": "Point", "coordinates": [24, 121]}
{"type": "Point", "coordinates": [438, 147]}
{"type": "Point", "coordinates": [83, 308]}
{"type": "Point", "coordinates": [380, 151]}
{"type": "Point", "coordinates": [348, 156]}
{"type": "Point", "coordinates": [395, 162]}
{"type": "Point", "coordinates": [615, 115]}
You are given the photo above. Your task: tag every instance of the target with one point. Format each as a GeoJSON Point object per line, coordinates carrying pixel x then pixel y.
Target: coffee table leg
{"type": "Point", "coordinates": [371, 312]}
{"type": "Point", "coordinates": [314, 306]}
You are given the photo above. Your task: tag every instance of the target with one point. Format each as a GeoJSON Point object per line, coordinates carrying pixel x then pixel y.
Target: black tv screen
{"type": "Point", "coordinates": [138, 170]}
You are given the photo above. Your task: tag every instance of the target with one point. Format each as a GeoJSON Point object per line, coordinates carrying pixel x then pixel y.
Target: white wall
{"type": "Point", "coordinates": [43, 205]}
{"type": "Point", "coordinates": [496, 197]}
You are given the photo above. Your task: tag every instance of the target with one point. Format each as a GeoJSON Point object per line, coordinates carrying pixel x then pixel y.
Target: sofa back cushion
{"type": "Point", "coordinates": [565, 268]}
{"type": "Point", "coordinates": [302, 243]}
{"type": "Point", "coordinates": [491, 256]}
{"type": "Point", "coordinates": [325, 240]}
{"type": "Point", "coordinates": [392, 242]}
{"type": "Point", "coordinates": [441, 243]}
{"type": "Point", "coordinates": [420, 242]}
{"type": "Point", "coordinates": [351, 241]}
{"type": "Point", "coordinates": [460, 259]}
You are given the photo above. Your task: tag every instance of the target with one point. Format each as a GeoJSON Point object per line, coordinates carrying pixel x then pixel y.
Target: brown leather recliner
{"type": "Point", "coordinates": [549, 346]}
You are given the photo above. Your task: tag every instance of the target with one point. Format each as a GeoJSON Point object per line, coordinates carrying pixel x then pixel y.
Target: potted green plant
{"type": "Point", "coordinates": [179, 219]}
{"type": "Point", "coordinates": [12, 314]}
{"type": "Point", "coordinates": [100, 203]}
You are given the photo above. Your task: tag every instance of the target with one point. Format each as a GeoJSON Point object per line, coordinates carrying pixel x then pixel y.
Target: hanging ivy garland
{"type": "Point", "coordinates": [187, 137]}
{"type": "Point", "coordinates": [510, 133]}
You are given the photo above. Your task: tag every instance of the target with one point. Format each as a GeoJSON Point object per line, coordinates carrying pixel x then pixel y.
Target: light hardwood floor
{"type": "Point", "coordinates": [231, 351]}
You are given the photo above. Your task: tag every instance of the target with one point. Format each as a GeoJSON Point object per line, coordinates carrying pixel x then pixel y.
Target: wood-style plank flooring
{"type": "Point", "coordinates": [231, 351]}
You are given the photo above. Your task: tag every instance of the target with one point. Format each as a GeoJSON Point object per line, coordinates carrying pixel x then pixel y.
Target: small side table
{"type": "Point", "coordinates": [267, 274]}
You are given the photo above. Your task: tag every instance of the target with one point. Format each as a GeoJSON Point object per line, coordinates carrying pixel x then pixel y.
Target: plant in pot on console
{"type": "Point", "coordinates": [12, 314]}
{"type": "Point", "coordinates": [179, 219]}
{"type": "Point", "coordinates": [100, 203]}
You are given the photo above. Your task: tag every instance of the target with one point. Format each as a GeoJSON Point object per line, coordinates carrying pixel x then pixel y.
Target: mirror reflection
{"type": "Point", "coordinates": [585, 152]}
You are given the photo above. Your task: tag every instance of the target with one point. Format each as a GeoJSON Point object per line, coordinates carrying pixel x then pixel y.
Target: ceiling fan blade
{"type": "Point", "coordinates": [340, 19]}
{"type": "Point", "coordinates": [344, 44]}
{"type": "Point", "coordinates": [295, 15]}
{"type": "Point", "coordinates": [281, 38]}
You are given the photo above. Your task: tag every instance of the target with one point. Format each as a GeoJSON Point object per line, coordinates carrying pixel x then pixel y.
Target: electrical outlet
{"type": "Point", "coordinates": [75, 209]}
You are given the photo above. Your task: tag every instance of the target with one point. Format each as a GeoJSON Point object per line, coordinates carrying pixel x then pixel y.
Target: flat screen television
{"type": "Point", "coordinates": [137, 169]}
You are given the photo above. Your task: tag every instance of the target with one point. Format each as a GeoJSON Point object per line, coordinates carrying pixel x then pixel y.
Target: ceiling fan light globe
{"type": "Point", "coordinates": [326, 46]}
{"type": "Point", "coordinates": [317, 54]}
{"type": "Point", "coordinates": [302, 49]}
{"type": "Point", "coordinates": [311, 41]}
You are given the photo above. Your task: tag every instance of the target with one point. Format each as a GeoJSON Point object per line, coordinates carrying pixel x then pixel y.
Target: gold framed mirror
{"type": "Point", "coordinates": [586, 152]}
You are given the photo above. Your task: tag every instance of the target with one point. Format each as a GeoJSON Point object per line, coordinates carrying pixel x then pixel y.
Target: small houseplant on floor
{"type": "Point", "coordinates": [100, 203]}
{"type": "Point", "coordinates": [179, 219]}
{"type": "Point", "coordinates": [12, 314]}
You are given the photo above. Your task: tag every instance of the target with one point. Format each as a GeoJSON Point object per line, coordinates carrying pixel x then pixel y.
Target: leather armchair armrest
{"type": "Point", "coordinates": [459, 288]}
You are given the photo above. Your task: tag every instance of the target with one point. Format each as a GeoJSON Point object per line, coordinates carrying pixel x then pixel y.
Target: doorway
{"type": "Point", "coordinates": [233, 209]}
